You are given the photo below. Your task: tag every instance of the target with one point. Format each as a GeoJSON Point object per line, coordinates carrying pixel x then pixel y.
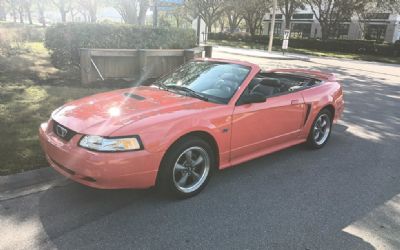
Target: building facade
{"type": "Point", "coordinates": [375, 26]}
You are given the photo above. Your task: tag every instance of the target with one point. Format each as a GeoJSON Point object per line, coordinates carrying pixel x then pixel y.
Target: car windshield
{"type": "Point", "coordinates": [210, 81]}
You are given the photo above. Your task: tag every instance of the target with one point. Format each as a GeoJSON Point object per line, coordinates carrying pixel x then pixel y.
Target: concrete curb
{"type": "Point", "coordinates": [260, 53]}
{"type": "Point", "coordinates": [29, 178]}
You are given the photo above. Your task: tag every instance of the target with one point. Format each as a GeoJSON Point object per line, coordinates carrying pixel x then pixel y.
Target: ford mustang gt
{"type": "Point", "coordinates": [208, 114]}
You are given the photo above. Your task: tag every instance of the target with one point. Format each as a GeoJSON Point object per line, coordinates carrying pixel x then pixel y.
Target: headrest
{"type": "Point", "coordinates": [273, 82]}
{"type": "Point", "coordinates": [228, 77]}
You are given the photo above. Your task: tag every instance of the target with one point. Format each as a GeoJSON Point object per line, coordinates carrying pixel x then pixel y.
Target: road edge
{"type": "Point", "coordinates": [29, 178]}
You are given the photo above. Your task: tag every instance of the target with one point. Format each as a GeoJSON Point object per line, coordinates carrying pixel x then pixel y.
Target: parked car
{"type": "Point", "coordinates": [209, 114]}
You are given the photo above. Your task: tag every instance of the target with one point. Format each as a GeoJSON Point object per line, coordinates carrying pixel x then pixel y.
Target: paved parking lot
{"type": "Point", "coordinates": [345, 196]}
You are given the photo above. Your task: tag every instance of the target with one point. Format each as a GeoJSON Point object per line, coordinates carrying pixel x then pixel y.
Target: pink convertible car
{"type": "Point", "coordinates": [207, 115]}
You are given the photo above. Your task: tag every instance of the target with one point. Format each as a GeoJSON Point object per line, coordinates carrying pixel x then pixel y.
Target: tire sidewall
{"type": "Point", "coordinates": [311, 142]}
{"type": "Point", "coordinates": [165, 176]}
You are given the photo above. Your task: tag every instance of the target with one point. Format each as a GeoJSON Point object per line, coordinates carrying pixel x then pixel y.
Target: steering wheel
{"type": "Point", "coordinates": [226, 86]}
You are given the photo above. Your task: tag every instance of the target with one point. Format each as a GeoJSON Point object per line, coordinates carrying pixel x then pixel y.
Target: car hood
{"type": "Point", "coordinates": [104, 113]}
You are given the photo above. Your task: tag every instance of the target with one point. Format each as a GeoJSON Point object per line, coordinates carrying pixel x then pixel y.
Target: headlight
{"type": "Point", "coordinates": [111, 144]}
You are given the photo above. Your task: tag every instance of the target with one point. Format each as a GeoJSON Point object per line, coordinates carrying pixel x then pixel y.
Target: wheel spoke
{"type": "Point", "coordinates": [183, 179]}
{"type": "Point", "coordinates": [179, 167]}
{"type": "Point", "coordinates": [196, 175]}
{"type": "Point", "coordinates": [316, 135]}
{"type": "Point", "coordinates": [188, 156]}
{"type": "Point", "coordinates": [323, 124]}
{"type": "Point", "coordinates": [198, 161]}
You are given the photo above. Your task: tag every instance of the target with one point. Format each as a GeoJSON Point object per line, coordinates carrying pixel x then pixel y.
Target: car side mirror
{"type": "Point", "coordinates": [248, 98]}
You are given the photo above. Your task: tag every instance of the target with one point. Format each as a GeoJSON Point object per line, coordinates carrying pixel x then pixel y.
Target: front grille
{"type": "Point", "coordinates": [63, 132]}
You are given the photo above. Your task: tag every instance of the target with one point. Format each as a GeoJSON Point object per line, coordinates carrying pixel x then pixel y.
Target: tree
{"type": "Point", "coordinates": [233, 13]}
{"type": "Point", "coordinates": [181, 15]}
{"type": "Point", "coordinates": [20, 10]}
{"type": "Point", "coordinates": [330, 13]}
{"type": "Point", "coordinates": [391, 5]}
{"type": "Point", "coordinates": [41, 7]}
{"type": "Point", "coordinates": [27, 6]}
{"type": "Point", "coordinates": [63, 6]}
{"type": "Point", "coordinates": [253, 12]}
{"type": "Point", "coordinates": [90, 7]}
{"type": "Point", "coordinates": [3, 12]}
{"type": "Point", "coordinates": [13, 4]}
{"type": "Point", "coordinates": [288, 8]}
{"type": "Point", "coordinates": [132, 11]}
{"type": "Point", "coordinates": [209, 10]}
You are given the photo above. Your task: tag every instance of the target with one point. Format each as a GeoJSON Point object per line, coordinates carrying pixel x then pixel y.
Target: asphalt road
{"type": "Point", "coordinates": [345, 196]}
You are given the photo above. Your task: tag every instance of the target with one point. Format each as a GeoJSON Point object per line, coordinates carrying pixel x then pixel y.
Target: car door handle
{"type": "Point", "coordinates": [294, 102]}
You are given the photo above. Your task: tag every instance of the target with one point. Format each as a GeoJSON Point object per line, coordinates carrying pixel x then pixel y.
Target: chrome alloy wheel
{"type": "Point", "coordinates": [191, 169]}
{"type": "Point", "coordinates": [321, 129]}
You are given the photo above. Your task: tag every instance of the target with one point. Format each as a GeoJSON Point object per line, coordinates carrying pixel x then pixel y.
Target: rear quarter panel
{"type": "Point", "coordinates": [321, 96]}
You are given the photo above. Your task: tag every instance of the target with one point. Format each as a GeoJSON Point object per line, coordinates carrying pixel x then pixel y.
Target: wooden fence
{"type": "Point", "coordinates": [131, 64]}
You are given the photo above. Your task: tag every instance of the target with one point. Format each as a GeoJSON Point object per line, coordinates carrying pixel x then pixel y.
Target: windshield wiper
{"type": "Point", "coordinates": [161, 85]}
{"type": "Point", "coordinates": [187, 90]}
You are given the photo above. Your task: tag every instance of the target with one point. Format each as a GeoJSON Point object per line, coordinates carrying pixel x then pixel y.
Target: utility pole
{"type": "Point", "coordinates": [272, 27]}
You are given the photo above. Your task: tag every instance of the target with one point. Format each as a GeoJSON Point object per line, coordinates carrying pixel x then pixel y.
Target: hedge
{"type": "Point", "coordinates": [21, 32]}
{"type": "Point", "coordinates": [65, 40]}
{"type": "Point", "coordinates": [339, 45]}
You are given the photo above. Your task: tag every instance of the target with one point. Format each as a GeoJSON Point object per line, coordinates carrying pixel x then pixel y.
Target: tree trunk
{"type": "Point", "coordinates": [288, 19]}
{"type": "Point", "coordinates": [93, 16]}
{"type": "Point", "coordinates": [233, 23]}
{"type": "Point", "coordinates": [325, 32]}
{"type": "Point", "coordinates": [209, 26]}
{"type": "Point", "coordinates": [252, 30]}
{"type": "Point", "coordinates": [42, 18]}
{"type": "Point", "coordinates": [3, 15]}
{"type": "Point", "coordinates": [144, 6]}
{"type": "Point", "coordinates": [14, 15]}
{"type": "Point", "coordinates": [28, 13]}
{"type": "Point", "coordinates": [21, 16]}
{"type": "Point", "coordinates": [63, 16]}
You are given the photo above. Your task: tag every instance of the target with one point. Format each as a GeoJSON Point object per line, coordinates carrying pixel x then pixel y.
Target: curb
{"type": "Point", "coordinates": [260, 54]}
{"type": "Point", "coordinates": [29, 178]}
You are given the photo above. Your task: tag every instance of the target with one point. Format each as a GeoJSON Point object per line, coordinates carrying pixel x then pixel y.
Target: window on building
{"type": "Point", "coordinates": [375, 32]}
{"type": "Point", "coordinates": [300, 30]}
{"type": "Point", "coordinates": [277, 28]}
{"type": "Point", "coordinates": [382, 16]}
{"type": "Point", "coordinates": [342, 31]}
{"type": "Point", "coordinates": [303, 16]}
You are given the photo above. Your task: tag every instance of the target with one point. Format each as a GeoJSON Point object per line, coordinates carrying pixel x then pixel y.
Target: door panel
{"type": "Point", "coordinates": [257, 126]}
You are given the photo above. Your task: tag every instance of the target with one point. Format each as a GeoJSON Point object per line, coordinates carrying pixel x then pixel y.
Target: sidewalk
{"type": "Point", "coordinates": [261, 53]}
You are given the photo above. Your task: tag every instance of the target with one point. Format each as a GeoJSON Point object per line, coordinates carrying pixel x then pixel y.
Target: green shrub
{"type": "Point", "coordinates": [13, 37]}
{"type": "Point", "coordinates": [338, 45]}
{"type": "Point", "coordinates": [65, 40]}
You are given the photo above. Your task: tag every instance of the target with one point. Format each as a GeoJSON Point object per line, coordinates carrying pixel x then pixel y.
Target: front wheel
{"type": "Point", "coordinates": [186, 167]}
{"type": "Point", "coordinates": [320, 130]}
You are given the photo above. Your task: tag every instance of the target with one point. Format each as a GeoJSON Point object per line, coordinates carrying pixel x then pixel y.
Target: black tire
{"type": "Point", "coordinates": [169, 176]}
{"type": "Point", "coordinates": [314, 141]}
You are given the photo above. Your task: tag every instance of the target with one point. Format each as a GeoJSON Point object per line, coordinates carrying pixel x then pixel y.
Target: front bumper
{"type": "Point", "coordinates": [137, 169]}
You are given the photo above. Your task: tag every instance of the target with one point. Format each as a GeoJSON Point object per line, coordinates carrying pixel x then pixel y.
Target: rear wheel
{"type": "Point", "coordinates": [187, 167]}
{"type": "Point", "coordinates": [320, 130]}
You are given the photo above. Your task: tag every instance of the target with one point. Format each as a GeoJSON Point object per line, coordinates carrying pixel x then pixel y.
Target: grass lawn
{"type": "Point", "coordinates": [30, 89]}
{"type": "Point", "coordinates": [394, 60]}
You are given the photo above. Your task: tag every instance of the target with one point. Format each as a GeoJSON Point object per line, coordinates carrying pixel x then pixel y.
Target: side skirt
{"type": "Point", "coordinates": [258, 154]}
